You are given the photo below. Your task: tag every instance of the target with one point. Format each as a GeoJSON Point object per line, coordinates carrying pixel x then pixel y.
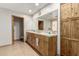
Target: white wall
{"type": "Point", "coordinates": [28, 25]}
{"type": "Point", "coordinates": [5, 28]}
{"type": "Point", "coordinates": [6, 25]}
{"type": "Point", "coordinates": [54, 26]}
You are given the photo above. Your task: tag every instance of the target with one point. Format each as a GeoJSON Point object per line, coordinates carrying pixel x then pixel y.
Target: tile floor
{"type": "Point", "coordinates": [18, 49]}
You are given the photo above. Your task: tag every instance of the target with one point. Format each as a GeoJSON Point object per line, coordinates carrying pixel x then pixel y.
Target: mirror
{"type": "Point", "coordinates": [48, 22]}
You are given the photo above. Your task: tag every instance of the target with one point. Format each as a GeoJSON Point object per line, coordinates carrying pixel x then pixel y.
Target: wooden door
{"type": "Point", "coordinates": [70, 33]}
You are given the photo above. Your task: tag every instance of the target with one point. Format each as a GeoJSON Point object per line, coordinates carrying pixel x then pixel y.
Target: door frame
{"type": "Point", "coordinates": [13, 17]}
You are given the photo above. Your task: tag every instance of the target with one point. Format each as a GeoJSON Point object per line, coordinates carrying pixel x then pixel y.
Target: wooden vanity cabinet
{"type": "Point", "coordinates": [31, 39]}
{"type": "Point", "coordinates": [45, 45]}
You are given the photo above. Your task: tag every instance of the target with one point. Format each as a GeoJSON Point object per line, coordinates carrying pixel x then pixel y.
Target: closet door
{"type": "Point", "coordinates": [70, 32]}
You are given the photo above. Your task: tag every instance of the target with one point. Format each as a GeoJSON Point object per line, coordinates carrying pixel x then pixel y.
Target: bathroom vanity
{"type": "Point", "coordinates": [43, 43]}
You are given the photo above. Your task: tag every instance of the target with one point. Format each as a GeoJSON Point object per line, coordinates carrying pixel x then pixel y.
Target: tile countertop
{"type": "Point", "coordinates": [43, 33]}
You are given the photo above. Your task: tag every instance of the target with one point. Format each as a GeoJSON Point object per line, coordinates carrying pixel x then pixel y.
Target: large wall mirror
{"type": "Point", "coordinates": [48, 22]}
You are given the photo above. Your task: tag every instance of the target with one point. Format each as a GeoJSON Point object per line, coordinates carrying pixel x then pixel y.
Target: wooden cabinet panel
{"type": "Point", "coordinates": [65, 28]}
{"type": "Point", "coordinates": [43, 45]}
{"type": "Point", "coordinates": [28, 37]}
{"type": "Point", "coordinates": [65, 11]}
{"type": "Point", "coordinates": [31, 38]}
{"type": "Point", "coordinates": [77, 48]}
{"type": "Point", "coordinates": [53, 46]}
{"type": "Point", "coordinates": [69, 47]}
{"type": "Point", "coordinates": [75, 36]}
{"type": "Point", "coordinates": [69, 10]}
{"type": "Point", "coordinates": [73, 48]}
{"type": "Point", "coordinates": [45, 48]}
{"type": "Point", "coordinates": [65, 46]}
{"type": "Point", "coordinates": [75, 10]}
{"type": "Point", "coordinates": [62, 8]}
{"type": "Point", "coordinates": [75, 29]}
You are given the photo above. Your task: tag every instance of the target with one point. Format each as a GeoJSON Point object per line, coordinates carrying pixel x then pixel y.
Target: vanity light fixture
{"type": "Point", "coordinates": [30, 10]}
{"type": "Point", "coordinates": [36, 4]}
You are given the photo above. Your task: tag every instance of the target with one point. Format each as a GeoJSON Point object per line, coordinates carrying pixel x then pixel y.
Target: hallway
{"type": "Point", "coordinates": [18, 49]}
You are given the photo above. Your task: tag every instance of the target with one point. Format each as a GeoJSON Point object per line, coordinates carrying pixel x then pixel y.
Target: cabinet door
{"type": "Point", "coordinates": [43, 45]}
{"type": "Point", "coordinates": [36, 42]}
{"type": "Point", "coordinates": [28, 38]}
{"type": "Point", "coordinates": [75, 10]}
{"type": "Point", "coordinates": [33, 39]}
{"type": "Point", "coordinates": [40, 45]}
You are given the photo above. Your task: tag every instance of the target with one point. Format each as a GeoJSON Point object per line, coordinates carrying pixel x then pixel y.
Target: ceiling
{"type": "Point", "coordinates": [23, 7]}
{"type": "Point", "coordinates": [50, 16]}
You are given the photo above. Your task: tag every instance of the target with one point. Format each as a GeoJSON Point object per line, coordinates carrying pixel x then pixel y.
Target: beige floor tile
{"type": "Point", "coordinates": [18, 49]}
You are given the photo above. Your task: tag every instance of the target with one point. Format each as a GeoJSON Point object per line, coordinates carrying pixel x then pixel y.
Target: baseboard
{"type": "Point", "coordinates": [5, 45]}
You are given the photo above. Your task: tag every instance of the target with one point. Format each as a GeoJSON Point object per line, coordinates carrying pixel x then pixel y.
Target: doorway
{"type": "Point", "coordinates": [17, 29]}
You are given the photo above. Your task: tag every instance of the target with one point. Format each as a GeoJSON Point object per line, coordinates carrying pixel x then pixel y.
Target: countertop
{"type": "Point", "coordinates": [43, 33]}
